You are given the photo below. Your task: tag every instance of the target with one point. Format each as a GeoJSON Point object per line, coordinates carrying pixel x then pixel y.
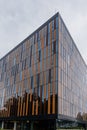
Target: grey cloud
{"type": "Point", "coordinates": [19, 18]}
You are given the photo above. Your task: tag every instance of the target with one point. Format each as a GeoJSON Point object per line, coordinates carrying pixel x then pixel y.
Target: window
{"type": "Point", "coordinates": [48, 28]}
{"type": "Point", "coordinates": [34, 39]}
{"type": "Point", "coordinates": [30, 61]}
{"type": "Point", "coordinates": [2, 76]}
{"type": "Point", "coordinates": [21, 56]}
{"type": "Point", "coordinates": [32, 82]}
{"type": "Point", "coordinates": [47, 92]}
{"type": "Point", "coordinates": [23, 47]}
{"type": "Point", "coordinates": [30, 57]}
{"type": "Point", "coordinates": [61, 50]}
{"type": "Point", "coordinates": [51, 89]}
{"type": "Point", "coordinates": [12, 71]}
{"type": "Point", "coordinates": [14, 89]}
{"type": "Point", "coordinates": [15, 69]}
{"type": "Point", "coordinates": [14, 78]}
{"type": "Point", "coordinates": [42, 93]}
{"type": "Point", "coordinates": [31, 51]}
{"type": "Point", "coordinates": [54, 47]}
{"type": "Point", "coordinates": [47, 37]}
{"type": "Point", "coordinates": [19, 91]}
{"type": "Point", "coordinates": [25, 83]}
{"type": "Point", "coordinates": [61, 75]}
{"type": "Point", "coordinates": [39, 45]}
{"type": "Point", "coordinates": [47, 40]}
{"type": "Point", "coordinates": [20, 75]}
{"type": "Point", "coordinates": [24, 64]}
{"type": "Point", "coordinates": [39, 55]}
{"type": "Point", "coordinates": [38, 79]}
{"type": "Point", "coordinates": [7, 81]}
{"type": "Point", "coordinates": [0, 102]}
{"type": "Point", "coordinates": [64, 53]}
{"type": "Point", "coordinates": [56, 22]}
{"type": "Point", "coordinates": [35, 93]}
{"type": "Point", "coordinates": [14, 60]}
{"type": "Point", "coordinates": [4, 67]}
{"type": "Point", "coordinates": [38, 90]}
{"type": "Point", "coordinates": [37, 36]}
{"type": "Point", "coordinates": [49, 78]}
{"type": "Point", "coordinates": [52, 25]}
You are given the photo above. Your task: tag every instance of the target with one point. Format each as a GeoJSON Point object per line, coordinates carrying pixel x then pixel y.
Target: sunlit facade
{"type": "Point", "coordinates": [43, 80]}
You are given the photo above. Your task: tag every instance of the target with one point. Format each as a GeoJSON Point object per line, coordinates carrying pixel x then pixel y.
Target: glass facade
{"type": "Point", "coordinates": [44, 76]}
{"type": "Point", "coordinates": [28, 79]}
{"type": "Point", "coordinates": [72, 80]}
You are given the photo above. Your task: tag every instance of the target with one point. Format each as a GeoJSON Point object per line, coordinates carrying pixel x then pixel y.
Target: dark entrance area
{"type": "Point", "coordinates": [44, 125]}
{"type": "Point", "coordinates": [8, 125]}
{"type": "Point", "coordinates": [36, 125]}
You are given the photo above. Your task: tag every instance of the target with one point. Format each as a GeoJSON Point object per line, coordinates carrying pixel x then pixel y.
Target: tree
{"type": "Point", "coordinates": [79, 116]}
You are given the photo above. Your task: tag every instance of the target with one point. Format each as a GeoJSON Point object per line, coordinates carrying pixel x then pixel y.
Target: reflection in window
{"type": "Point", "coordinates": [19, 91]}
{"type": "Point", "coordinates": [14, 89]}
{"type": "Point", "coordinates": [20, 75]}
{"type": "Point", "coordinates": [14, 60]}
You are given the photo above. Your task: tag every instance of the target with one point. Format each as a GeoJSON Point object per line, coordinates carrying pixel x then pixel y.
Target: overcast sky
{"type": "Point", "coordinates": [19, 18]}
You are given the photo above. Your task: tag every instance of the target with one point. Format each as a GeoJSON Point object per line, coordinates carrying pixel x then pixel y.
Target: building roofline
{"type": "Point", "coordinates": [73, 41]}
{"type": "Point", "coordinates": [38, 29]}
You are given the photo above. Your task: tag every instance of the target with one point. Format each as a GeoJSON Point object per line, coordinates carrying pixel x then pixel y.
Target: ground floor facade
{"type": "Point", "coordinates": [30, 125]}
{"type": "Point", "coordinates": [51, 122]}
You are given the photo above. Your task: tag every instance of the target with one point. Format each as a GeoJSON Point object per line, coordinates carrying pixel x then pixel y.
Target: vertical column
{"type": "Point", "coordinates": [2, 124]}
{"type": "Point", "coordinates": [27, 104]}
{"type": "Point", "coordinates": [49, 98]}
{"type": "Point", "coordinates": [32, 125]}
{"type": "Point", "coordinates": [15, 125]}
{"type": "Point", "coordinates": [22, 126]}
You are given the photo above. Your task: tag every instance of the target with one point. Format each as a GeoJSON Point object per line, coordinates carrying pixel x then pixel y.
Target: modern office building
{"type": "Point", "coordinates": [43, 81]}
